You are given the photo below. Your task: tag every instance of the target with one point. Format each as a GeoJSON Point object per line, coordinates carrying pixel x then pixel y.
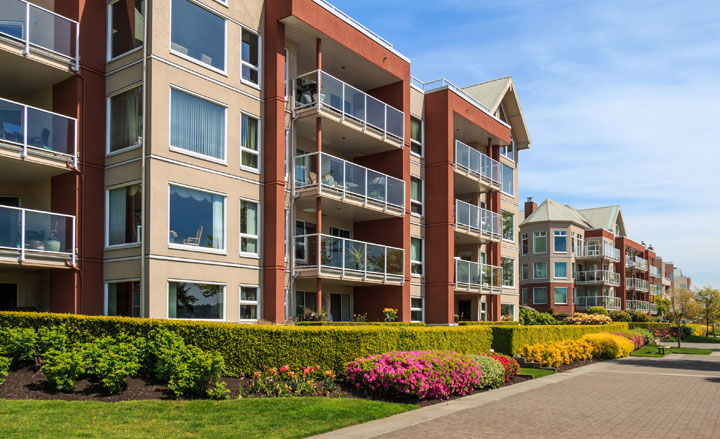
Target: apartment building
{"type": "Point", "coordinates": [573, 259]}
{"type": "Point", "coordinates": [679, 280]}
{"type": "Point", "coordinates": [246, 161]}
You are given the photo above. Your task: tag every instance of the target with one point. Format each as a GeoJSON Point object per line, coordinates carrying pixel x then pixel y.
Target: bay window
{"type": "Point", "coordinates": [508, 182]}
{"type": "Point", "coordinates": [126, 26]}
{"type": "Point", "coordinates": [508, 271]}
{"type": "Point", "coordinates": [249, 142]}
{"type": "Point", "coordinates": [249, 302]}
{"type": "Point", "coordinates": [125, 119]}
{"type": "Point", "coordinates": [197, 126]}
{"type": "Point", "coordinates": [539, 242]}
{"type": "Point", "coordinates": [124, 215]}
{"type": "Point", "coordinates": [559, 241]}
{"type": "Point", "coordinates": [249, 226]}
{"type": "Point", "coordinates": [561, 295]}
{"type": "Point", "coordinates": [539, 295]}
{"type": "Point", "coordinates": [250, 57]}
{"type": "Point", "coordinates": [187, 300]}
{"type": "Point", "coordinates": [198, 34]}
{"type": "Point", "coordinates": [560, 270]}
{"type": "Point", "coordinates": [508, 226]}
{"type": "Point", "coordinates": [540, 270]}
{"type": "Point", "coordinates": [197, 219]}
{"type": "Point", "coordinates": [122, 299]}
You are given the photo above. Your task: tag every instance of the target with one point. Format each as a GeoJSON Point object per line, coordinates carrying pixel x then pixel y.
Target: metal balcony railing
{"type": "Point", "coordinates": [38, 132]}
{"type": "Point", "coordinates": [636, 262]}
{"type": "Point", "coordinates": [655, 271]}
{"type": "Point", "coordinates": [475, 164]}
{"type": "Point", "coordinates": [598, 277]}
{"type": "Point", "coordinates": [347, 258]}
{"type": "Point", "coordinates": [476, 220]}
{"type": "Point", "coordinates": [475, 276]}
{"type": "Point", "coordinates": [37, 235]}
{"type": "Point", "coordinates": [36, 28]}
{"type": "Point", "coordinates": [655, 289]}
{"type": "Point", "coordinates": [350, 181]}
{"type": "Point", "coordinates": [636, 284]}
{"type": "Point", "coordinates": [607, 302]}
{"type": "Point", "coordinates": [601, 251]}
{"type": "Point", "coordinates": [637, 305]}
{"type": "Point", "coordinates": [349, 103]}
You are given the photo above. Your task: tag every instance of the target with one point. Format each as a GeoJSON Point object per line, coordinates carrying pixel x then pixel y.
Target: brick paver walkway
{"type": "Point", "coordinates": [673, 397]}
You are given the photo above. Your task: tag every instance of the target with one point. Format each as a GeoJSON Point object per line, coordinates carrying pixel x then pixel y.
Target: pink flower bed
{"type": "Point", "coordinates": [638, 340]}
{"type": "Point", "coordinates": [417, 374]}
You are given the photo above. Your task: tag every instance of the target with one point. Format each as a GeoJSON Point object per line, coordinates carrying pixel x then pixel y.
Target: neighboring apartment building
{"type": "Point", "coordinates": [573, 259]}
{"type": "Point", "coordinates": [244, 161]}
{"type": "Point", "coordinates": [680, 281]}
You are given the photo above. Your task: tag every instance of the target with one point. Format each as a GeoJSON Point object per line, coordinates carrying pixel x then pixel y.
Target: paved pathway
{"type": "Point", "coordinates": [673, 397]}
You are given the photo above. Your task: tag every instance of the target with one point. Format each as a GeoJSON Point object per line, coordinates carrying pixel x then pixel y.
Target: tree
{"type": "Point", "coordinates": [663, 305]}
{"type": "Point", "coordinates": [709, 301]}
{"type": "Point", "coordinates": [683, 309]}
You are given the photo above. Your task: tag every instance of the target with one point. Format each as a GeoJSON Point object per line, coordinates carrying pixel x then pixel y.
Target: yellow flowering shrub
{"type": "Point", "coordinates": [699, 330]}
{"type": "Point", "coordinates": [557, 353]}
{"type": "Point", "coordinates": [587, 319]}
{"type": "Point", "coordinates": [609, 345]}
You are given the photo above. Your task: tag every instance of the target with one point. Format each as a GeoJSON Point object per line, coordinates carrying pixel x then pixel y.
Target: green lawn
{"type": "Point", "coordinates": [536, 373]}
{"type": "Point", "coordinates": [652, 351]}
{"type": "Point", "coordinates": [244, 418]}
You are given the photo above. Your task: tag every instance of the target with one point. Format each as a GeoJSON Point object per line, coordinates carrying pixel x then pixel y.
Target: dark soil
{"type": "Point", "coordinates": [566, 367]}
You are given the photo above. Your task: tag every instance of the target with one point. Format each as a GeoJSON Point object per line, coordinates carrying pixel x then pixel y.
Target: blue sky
{"type": "Point", "coordinates": [622, 101]}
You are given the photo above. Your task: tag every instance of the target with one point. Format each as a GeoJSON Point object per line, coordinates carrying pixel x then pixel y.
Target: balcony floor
{"type": "Point", "coordinates": [465, 237]}
{"type": "Point", "coordinates": [467, 184]}
{"type": "Point", "coordinates": [348, 279]}
{"type": "Point", "coordinates": [36, 166]}
{"type": "Point", "coordinates": [9, 261]}
{"type": "Point", "coordinates": [349, 208]}
{"type": "Point", "coordinates": [25, 75]}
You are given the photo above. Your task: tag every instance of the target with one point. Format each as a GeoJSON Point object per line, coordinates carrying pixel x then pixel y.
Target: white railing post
{"type": "Point", "coordinates": [74, 253]}
{"type": "Point", "coordinates": [343, 257]}
{"type": "Point", "coordinates": [77, 46]}
{"type": "Point", "coordinates": [342, 113]}
{"type": "Point", "coordinates": [344, 180]}
{"type": "Point", "coordinates": [387, 178]}
{"type": "Point", "coordinates": [385, 124]}
{"type": "Point", "coordinates": [365, 116]}
{"type": "Point", "coordinates": [365, 268]}
{"type": "Point", "coordinates": [385, 260]}
{"type": "Point", "coordinates": [75, 156]}
{"type": "Point", "coordinates": [365, 198]}
{"type": "Point", "coordinates": [318, 156]}
{"type": "Point", "coordinates": [26, 50]}
{"type": "Point", "coordinates": [25, 132]}
{"type": "Point", "coordinates": [319, 254]}
{"type": "Point", "coordinates": [319, 90]}
{"type": "Point", "coordinates": [22, 235]}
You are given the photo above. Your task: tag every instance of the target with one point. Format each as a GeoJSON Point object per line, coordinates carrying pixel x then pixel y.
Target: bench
{"type": "Point", "coordinates": [661, 349]}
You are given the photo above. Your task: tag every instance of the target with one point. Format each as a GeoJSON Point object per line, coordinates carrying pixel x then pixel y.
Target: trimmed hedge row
{"type": "Point", "coordinates": [650, 326]}
{"type": "Point", "coordinates": [247, 348]}
{"type": "Point", "coordinates": [361, 324]}
{"type": "Point", "coordinates": [510, 339]}
{"type": "Point", "coordinates": [507, 323]}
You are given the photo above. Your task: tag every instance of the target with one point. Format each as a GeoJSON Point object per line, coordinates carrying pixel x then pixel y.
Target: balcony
{"type": "Point", "coordinates": [608, 302]}
{"type": "Point", "coordinates": [473, 223]}
{"type": "Point", "coordinates": [474, 277]}
{"type": "Point", "coordinates": [358, 120]}
{"type": "Point", "coordinates": [653, 308]}
{"type": "Point", "coordinates": [352, 191]}
{"type": "Point", "coordinates": [32, 238]}
{"type": "Point", "coordinates": [38, 48]}
{"type": "Point", "coordinates": [600, 252]}
{"type": "Point", "coordinates": [598, 277]}
{"type": "Point", "coordinates": [636, 263]}
{"type": "Point", "coordinates": [476, 167]}
{"type": "Point", "coordinates": [655, 272]}
{"type": "Point", "coordinates": [656, 289]}
{"type": "Point", "coordinates": [637, 305]}
{"type": "Point", "coordinates": [355, 262]}
{"type": "Point", "coordinates": [636, 284]}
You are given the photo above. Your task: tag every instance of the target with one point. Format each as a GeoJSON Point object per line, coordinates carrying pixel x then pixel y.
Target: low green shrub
{"type": "Point", "coordinates": [493, 373]}
{"type": "Point", "coordinates": [645, 333]}
{"type": "Point", "coordinates": [29, 345]}
{"type": "Point", "coordinates": [650, 326]}
{"type": "Point", "coordinates": [597, 310]}
{"type": "Point", "coordinates": [530, 316]}
{"type": "Point", "coordinates": [509, 339]}
{"type": "Point", "coordinates": [638, 316]}
{"type": "Point", "coordinates": [112, 360]}
{"type": "Point", "coordinates": [4, 368]}
{"type": "Point", "coordinates": [512, 367]}
{"type": "Point", "coordinates": [588, 319]}
{"type": "Point", "coordinates": [620, 316]}
{"type": "Point", "coordinates": [62, 368]}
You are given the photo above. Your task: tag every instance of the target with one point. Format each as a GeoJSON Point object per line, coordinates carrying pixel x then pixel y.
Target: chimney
{"type": "Point", "coordinates": [530, 207]}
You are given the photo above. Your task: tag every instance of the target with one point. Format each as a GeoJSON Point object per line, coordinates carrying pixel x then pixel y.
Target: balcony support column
{"type": "Point", "coordinates": [494, 204]}
{"type": "Point", "coordinates": [318, 200]}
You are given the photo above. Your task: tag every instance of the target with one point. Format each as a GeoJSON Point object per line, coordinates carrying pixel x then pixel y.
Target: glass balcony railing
{"type": "Point", "coordinates": [598, 277]}
{"type": "Point", "coordinates": [38, 132]}
{"type": "Point", "coordinates": [349, 103]}
{"type": "Point", "coordinates": [477, 165]}
{"type": "Point", "coordinates": [607, 302]}
{"type": "Point", "coordinates": [601, 251]}
{"type": "Point", "coordinates": [350, 259]}
{"type": "Point", "coordinates": [636, 262]}
{"type": "Point", "coordinates": [636, 284]}
{"type": "Point", "coordinates": [476, 276]}
{"type": "Point", "coordinates": [476, 220]}
{"type": "Point", "coordinates": [653, 308]}
{"type": "Point", "coordinates": [637, 305]}
{"type": "Point", "coordinates": [655, 289]}
{"type": "Point", "coordinates": [350, 181]}
{"type": "Point", "coordinates": [38, 28]}
{"type": "Point", "coordinates": [33, 234]}
{"type": "Point", "coordinates": [655, 271]}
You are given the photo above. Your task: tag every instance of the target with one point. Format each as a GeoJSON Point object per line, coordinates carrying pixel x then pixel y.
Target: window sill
{"type": "Point", "coordinates": [208, 158]}
{"type": "Point", "coordinates": [122, 150]}
{"type": "Point", "coordinates": [198, 62]}
{"type": "Point", "coordinates": [198, 320]}
{"type": "Point", "coordinates": [122, 55]}
{"type": "Point", "coordinates": [250, 255]}
{"type": "Point", "coordinates": [122, 246]}
{"type": "Point", "coordinates": [250, 170]}
{"type": "Point", "coordinates": [198, 249]}
{"type": "Point", "coordinates": [250, 83]}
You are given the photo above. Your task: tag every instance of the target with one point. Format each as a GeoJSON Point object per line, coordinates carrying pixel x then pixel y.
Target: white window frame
{"type": "Point", "coordinates": [508, 151]}
{"type": "Point", "coordinates": [108, 54]}
{"type": "Point", "coordinates": [422, 195]}
{"type": "Point", "coordinates": [184, 151]}
{"type": "Point", "coordinates": [580, 249]}
{"type": "Point", "coordinates": [190, 58]}
{"type": "Point", "coordinates": [555, 276]}
{"type": "Point", "coordinates": [559, 233]}
{"type": "Point", "coordinates": [304, 240]}
{"type": "Point", "coordinates": [257, 302]}
{"type": "Point", "coordinates": [108, 120]}
{"type": "Point", "coordinates": [176, 246]}
{"type": "Point", "coordinates": [340, 229]}
{"type": "Point", "coordinates": [259, 144]}
{"type": "Point", "coordinates": [523, 296]}
{"type": "Point", "coordinates": [535, 302]}
{"type": "Point", "coordinates": [567, 292]}
{"type": "Point", "coordinates": [502, 176]}
{"type": "Point", "coordinates": [106, 293]}
{"type": "Point", "coordinates": [525, 272]}
{"type": "Point", "coordinates": [248, 235]}
{"type": "Point", "coordinates": [421, 309]}
{"type": "Point", "coordinates": [107, 217]}
{"type": "Point", "coordinates": [224, 297]}
{"type": "Point", "coordinates": [421, 262]}
{"type": "Point", "coordinates": [535, 270]}
{"type": "Point", "coordinates": [257, 68]}
{"type": "Point", "coordinates": [422, 138]}
{"type": "Point", "coordinates": [540, 234]}
{"type": "Point", "coordinates": [514, 270]}
{"type": "Point", "coordinates": [512, 215]}
{"type": "Point", "coordinates": [524, 240]}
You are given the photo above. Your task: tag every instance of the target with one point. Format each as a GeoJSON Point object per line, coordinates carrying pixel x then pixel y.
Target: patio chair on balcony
{"type": "Point", "coordinates": [194, 240]}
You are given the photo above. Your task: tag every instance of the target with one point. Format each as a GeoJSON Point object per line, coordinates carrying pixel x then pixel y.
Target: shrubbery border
{"type": "Point", "coordinates": [510, 339]}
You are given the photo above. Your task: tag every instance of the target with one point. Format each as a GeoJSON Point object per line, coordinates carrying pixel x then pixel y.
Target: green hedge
{"type": "Point", "coordinates": [650, 326]}
{"type": "Point", "coordinates": [360, 324]}
{"type": "Point", "coordinates": [507, 323]}
{"type": "Point", "coordinates": [247, 348]}
{"type": "Point", "coordinates": [509, 339]}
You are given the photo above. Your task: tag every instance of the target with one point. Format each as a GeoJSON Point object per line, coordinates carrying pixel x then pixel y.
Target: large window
{"type": "Point", "coordinates": [416, 196]}
{"type": "Point", "coordinates": [125, 119]}
{"type": "Point", "coordinates": [416, 309]}
{"type": "Point", "coordinates": [540, 242]}
{"type": "Point", "coordinates": [508, 182]}
{"type": "Point", "coordinates": [509, 150]}
{"type": "Point", "coordinates": [524, 245]}
{"type": "Point", "coordinates": [560, 270]}
{"type": "Point", "coordinates": [539, 296]}
{"type": "Point", "coordinates": [560, 241]}
{"type": "Point", "coordinates": [416, 140]}
{"type": "Point", "coordinates": [508, 271]}
{"type": "Point", "coordinates": [249, 302]}
{"type": "Point", "coordinates": [540, 270]}
{"type": "Point", "coordinates": [416, 256]}
{"type": "Point", "coordinates": [197, 218]}
{"type": "Point", "coordinates": [507, 311]}
{"type": "Point", "coordinates": [197, 125]}
{"type": "Point", "coordinates": [525, 272]}
{"type": "Point", "coordinates": [188, 300]}
{"type": "Point", "coordinates": [524, 296]}
{"type": "Point", "coordinates": [250, 57]}
{"type": "Point", "coordinates": [249, 227]}
{"type": "Point", "coordinates": [301, 244]}
{"type": "Point", "coordinates": [198, 34]}
{"type": "Point", "coordinates": [305, 304]}
{"type": "Point", "coordinates": [508, 226]}
{"type": "Point", "coordinates": [561, 295]}
{"type": "Point", "coordinates": [127, 26]}
{"type": "Point", "coordinates": [124, 214]}
{"type": "Point", "coordinates": [123, 298]}
{"type": "Point", "coordinates": [250, 142]}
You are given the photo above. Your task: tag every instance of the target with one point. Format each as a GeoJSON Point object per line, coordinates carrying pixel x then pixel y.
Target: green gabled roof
{"type": "Point", "coordinates": [602, 217]}
{"type": "Point", "coordinates": [552, 211]}
{"type": "Point", "coordinates": [490, 93]}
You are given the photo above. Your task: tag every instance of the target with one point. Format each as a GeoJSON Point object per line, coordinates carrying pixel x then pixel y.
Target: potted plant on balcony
{"type": "Point", "coordinates": [52, 243]}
